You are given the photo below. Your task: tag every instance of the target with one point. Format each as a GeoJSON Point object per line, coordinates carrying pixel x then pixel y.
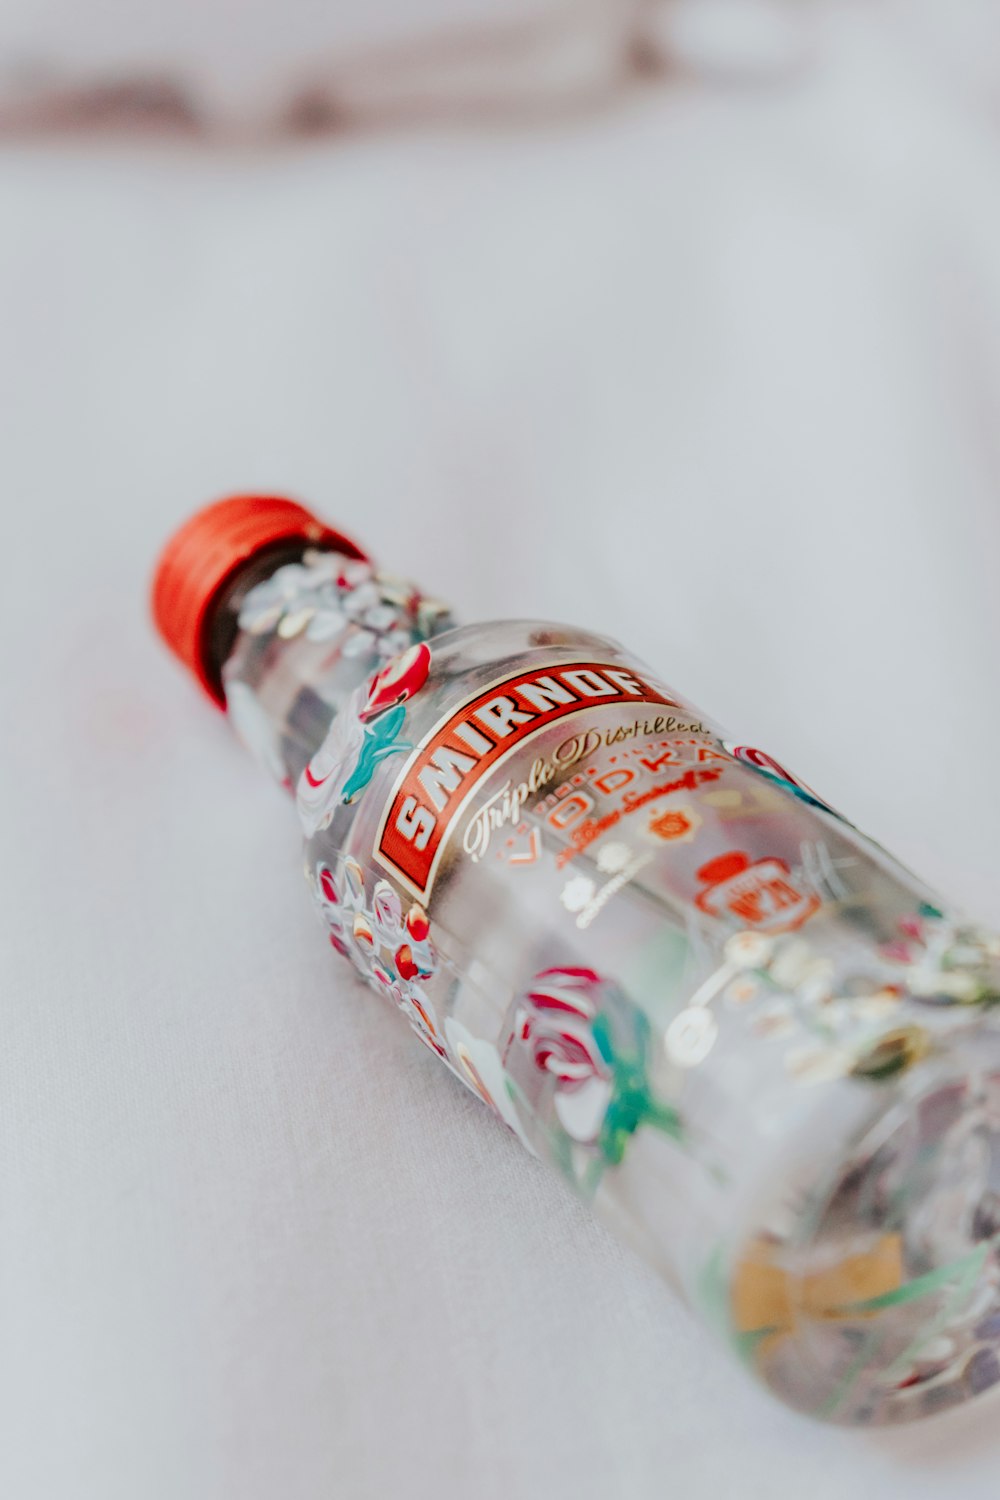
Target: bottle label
{"type": "Point", "coordinates": [443, 773]}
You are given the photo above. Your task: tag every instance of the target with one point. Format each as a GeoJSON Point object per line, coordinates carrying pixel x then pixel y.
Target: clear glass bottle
{"type": "Point", "coordinates": [756, 1044]}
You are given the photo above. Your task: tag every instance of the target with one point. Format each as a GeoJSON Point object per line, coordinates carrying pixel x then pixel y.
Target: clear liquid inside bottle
{"type": "Point", "coordinates": [761, 1049]}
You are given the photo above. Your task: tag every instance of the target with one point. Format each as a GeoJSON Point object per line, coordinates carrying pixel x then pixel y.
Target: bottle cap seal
{"type": "Point", "coordinates": [204, 556]}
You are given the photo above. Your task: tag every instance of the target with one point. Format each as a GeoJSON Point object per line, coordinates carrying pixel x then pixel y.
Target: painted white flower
{"type": "Point", "coordinates": [361, 597]}
{"type": "Point", "coordinates": [581, 1110]}
{"type": "Point", "coordinates": [816, 987]}
{"type": "Point", "coordinates": [354, 572]}
{"type": "Point", "coordinates": [394, 642]}
{"type": "Point", "coordinates": [359, 642]}
{"type": "Point", "coordinates": [323, 885]}
{"type": "Point", "coordinates": [613, 858]}
{"type": "Point", "coordinates": [818, 1062]}
{"type": "Point", "coordinates": [742, 990]}
{"type": "Point", "coordinates": [791, 964]}
{"type": "Point", "coordinates": [955, 984]}
{"type": "Point", "coordinates": [265, 604]}
{"type": "Point", "coordinates": [326, 596]}
{"type": "Point", "coordinates": [326, 620]}
{"type": "Point", "coordinates": [321, 785]}
{"type": "Point", "coordinates": [379, 617]}
{"type": "Point", "coordinates": [748, 950]}
{"type": "Point", "coordinates": [306, 585]}
{"type": "Point", "coordinates": [577, 893]}
{"type": "Point", "coordinates": [774, 1018]}
{"type": "Point", "coordinates": [415, 1005]}
{"type": "Point", "coordinates": [878, 1005]}
{"type": "Point", "coordinates": [691, 1036]}
{"type": "Point", "coordinates": [477, 1063]}
{"type": "Point", "coordinates": [387, 913]}
{"type": "Point", "coordinates": [552, 1032]}
{"type": "Point", "coordinates": [838, 1015]}
{"type": "Point", "coordinates": [340, 895]}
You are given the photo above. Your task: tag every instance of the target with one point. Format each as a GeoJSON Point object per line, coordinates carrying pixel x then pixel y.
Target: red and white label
{"type": "Point", "coordinates": [442, 774]}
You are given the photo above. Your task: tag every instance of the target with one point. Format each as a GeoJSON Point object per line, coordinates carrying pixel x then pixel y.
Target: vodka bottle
{"type": "Point", "coordinates": [757, 1045]}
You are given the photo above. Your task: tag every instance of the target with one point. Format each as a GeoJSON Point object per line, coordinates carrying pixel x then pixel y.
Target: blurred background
{"type": "Point", "coordinates": [676, 318]}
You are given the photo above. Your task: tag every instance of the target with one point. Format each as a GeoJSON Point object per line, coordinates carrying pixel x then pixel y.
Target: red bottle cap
{"type": "Point", "coordinates": [202, 557]}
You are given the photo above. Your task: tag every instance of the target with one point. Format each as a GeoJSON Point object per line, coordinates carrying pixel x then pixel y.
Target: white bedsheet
{"type": "Point", "coordinates": [716, 373]}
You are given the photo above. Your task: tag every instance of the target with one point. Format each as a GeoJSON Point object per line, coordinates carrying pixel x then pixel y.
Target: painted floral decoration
{"type": "Point", "coordinates": [578, 1053]}
{"type": "Point", "coordinates": [834, 1023]}
{"type": "Point", "coordinates": [773, 771]}
{"type": "Point", "coordinates": [391, 948]}
{"type": "Point", "coordinates": [477, 1063]}
{"type": "Point", "coordinates": [364, 733]}
{"type": "Point", "coordinates": [830, 1024]}
{"type": "Point", "coordinates": [946, 962]}
{"type": "Point", "coordinates": [327, 596]}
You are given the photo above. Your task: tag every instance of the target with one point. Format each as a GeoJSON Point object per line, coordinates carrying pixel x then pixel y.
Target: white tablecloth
{"type": "Point", "coordinates": [716, 373]}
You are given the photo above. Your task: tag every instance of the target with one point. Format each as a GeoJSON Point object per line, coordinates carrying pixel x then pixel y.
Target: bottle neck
{"type": "Point", "coordinates": [296, 633]}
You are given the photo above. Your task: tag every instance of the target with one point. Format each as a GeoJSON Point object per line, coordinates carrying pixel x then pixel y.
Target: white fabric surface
{"type": "Point", "coordinates": [717, 374]}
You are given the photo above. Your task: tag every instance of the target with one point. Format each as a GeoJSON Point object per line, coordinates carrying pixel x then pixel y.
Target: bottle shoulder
{"type": "Point", "coordinates": [497, 645]}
